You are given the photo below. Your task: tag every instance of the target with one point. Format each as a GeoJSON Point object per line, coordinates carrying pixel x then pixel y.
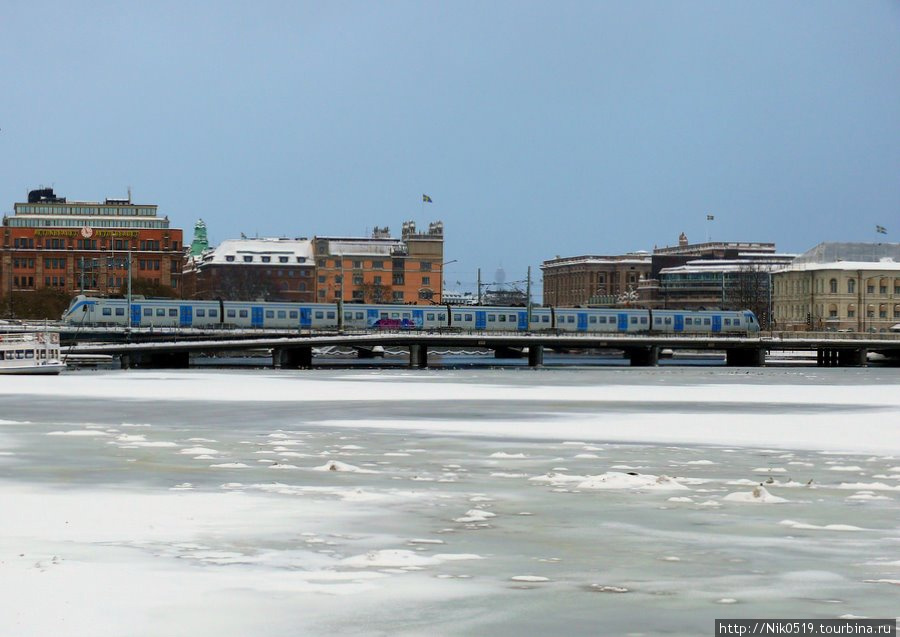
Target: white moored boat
{"type": "Point", "coordinates": [30, 353]}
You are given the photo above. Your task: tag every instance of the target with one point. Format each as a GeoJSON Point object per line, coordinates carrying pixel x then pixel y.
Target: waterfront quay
{"type": "Point", "coordinates": [155, 349]}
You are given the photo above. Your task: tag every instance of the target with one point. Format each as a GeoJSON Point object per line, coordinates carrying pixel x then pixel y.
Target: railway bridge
{"type": "Point", "coordinates": [156, 349]}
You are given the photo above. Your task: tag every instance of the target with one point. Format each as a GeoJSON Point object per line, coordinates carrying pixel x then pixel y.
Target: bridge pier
{"type": "Point", "coordinates": [834, 357]}
{"type": "Point", "coordinates": [745, 357]}
{"type": "Point", "coordinates": [292, 357]}
{"type": "Point", "coordinates": [418, 355]}
{"type": "Point", "coordinates": [535, 355]}
{"type": "Point", "coordinates": [643, 356]}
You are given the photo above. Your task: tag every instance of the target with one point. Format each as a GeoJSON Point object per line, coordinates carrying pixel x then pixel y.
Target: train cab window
{"type": "Point", "coordinates": [441, 316]}
{"type": "Point", "coordinates": [242, 313]}
{"type": "Point", "coordinates": [592, 319]}
{"type": "Point", "coordinates": [320, 315]}
{"type": "Point", "coordinates": [643, 320]}
{"type": "Point", "coordinates": [107, 311]}
{"type": "Point", "coordinates": [282, 314]}
{"type": "Point", "coordinates": [457, 317]}
{"type": "Point", "coordinates": [201, 313]}
{"type": "Point", "coordinates": [148, 311]}
{"type": "Point", "coordinates": [706, 321]}
{"type": "Point", "coordinates": [429, 316]}
{"type": "Point", "coordinates": [213, 313]}
{"type": "Point", "coordinates": [293, 314]}
{"type": "Point", "coordinates": [468, 317]}
{"type": "Point", "coordinates": [331, 315]}
{"type": "Point", "coordinates": [270, 313]}
{"type": "Point", "coordinates": [173, 311]}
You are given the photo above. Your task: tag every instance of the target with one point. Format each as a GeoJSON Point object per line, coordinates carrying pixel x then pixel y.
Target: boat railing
{"type": "Point", "coordinates": [34, 337]}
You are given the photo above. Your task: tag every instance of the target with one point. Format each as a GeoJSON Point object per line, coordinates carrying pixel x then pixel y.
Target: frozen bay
{"type": "Point", "coordinates": [510, 502]}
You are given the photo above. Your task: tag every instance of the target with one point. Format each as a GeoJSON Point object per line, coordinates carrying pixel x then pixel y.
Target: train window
{"type": "Point", "coordinates": [442, 316]}
{"type": "Point", "coordinates": [161, 312]}
{"type": "Point", "coordinates": [383, 315]}
{"type": "Point", "coordinates": [320, 315]}
{"type": "Point", "coordinates": [331, 315]}
{"type": "Point", "coordinates": [643, 320]}
{"type": "Point", "coordinates": [492, 318]}
{"type": "Point", "coordinates": [406, 315]}
{"type": "Point", "coordinates": [545, 319]}
{"type": "Point", "coordinates": [503, 318]}
{"type": "Point", "coordinates": [348, 316]}
{"type": "Point", "coordinates": [592, 319]}
{"type": "Point", "coordinates": [512, 318]}
{"type": "Point", "coordinates": [668, 320]}
{"type": "Point", "coordinates": [148, 311]}
{"type": "Point", "coordinates": [468, 317]}
{"type": "Point", "coordinates": [429, 316]}
{"type": "Point", "coordinates": [457, 317]}
{"type": "Point", "coordinates": [601, 319]}
{"type": "Point", "coordinates": [282, 314]}
{"type": "Point", "coordinates": [270, 313]}
{"type": "Point", "coordinates": [213, 313]}
{"type": "Point", "coordinates": [658, 320]}
{"type": "Point", "coordinates": [706, 321]}
{"type": "Point", "coordinates": [689, 321]}
{"type": "Point", "coordinates": [173, 311]}
{"type": "Point", "coordinates": [360, 316]}
{"type": "Point", "coordinates": [201, 312]}
{"type": "Point", "coordinates": [293, 314]}
{"type": "Point", "coordinates": [727, 321]}
{"type": "Point", "coordinates": [571, 319]}
{"type": "Point", "coordinates": [634, 320]}
{"type": "Point", "coordinates": [107, 311]}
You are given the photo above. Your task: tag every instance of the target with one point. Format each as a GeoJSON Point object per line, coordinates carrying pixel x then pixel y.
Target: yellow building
{"type": "Point", "coordinates": [839, 286]}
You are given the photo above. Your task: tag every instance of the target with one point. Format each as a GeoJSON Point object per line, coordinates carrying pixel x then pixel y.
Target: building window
{"type": "Point", "coordinates": [425, 266]}
{"type": "Point", "coordinates": [851, 287]}
{"type": "Point", "coordinates": [882, 289]}
{"type": "Point", "coordinates": [357, 264]}
{"type": "Point", "coordinates": [357, 279]}
{"type": "Point", "coordinates": [229, 258]}
{"type": "Point", "coordinates": [870, 289]}
{"type": "Point", "coordinates": [832, 286]}
{"type": "Point", "coordinates": [398, 279]}
{"type": "Point", "coordinates": [377, 265]}
{"type": "Point", "coordinates": [377, 280]}
{"type": "Point", "coordinates": [426, 280]}
{"type": "Point", "coordinates": [851, 313]}
{"type": "Point", "coordinates": [397, 296]}
{"type": "Point", "coordinates": [248, 258]}
{"type": "Point", "coordinates": [266, 259]}
{"type": "Point", "coordinates": [282, 259]}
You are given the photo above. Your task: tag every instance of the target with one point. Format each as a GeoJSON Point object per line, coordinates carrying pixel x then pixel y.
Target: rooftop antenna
{"type": "Point", "coordinates": [129, 194]}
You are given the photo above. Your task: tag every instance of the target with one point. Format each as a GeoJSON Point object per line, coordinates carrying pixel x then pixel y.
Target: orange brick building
{"type": "Point", "coordinates": [72, 245]}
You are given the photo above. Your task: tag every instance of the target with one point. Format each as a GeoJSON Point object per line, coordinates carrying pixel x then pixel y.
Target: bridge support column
{"type": "Point", "coordinates": [508, 352]}
{"type": "Point", "coordinates": [418, 355]}
{"type": "Point", "coordinates": [852, 357]}
{"type": "Point", "coordinates": [125, 361]}
{"type": "Point", "coordinates": [293, 357]}
{"type": "Point", "coordinates": [535, 355]}
{"type": "Point", "coordinates": [643, 356]}
{"type": "Point", "coordinates": [745, 357]}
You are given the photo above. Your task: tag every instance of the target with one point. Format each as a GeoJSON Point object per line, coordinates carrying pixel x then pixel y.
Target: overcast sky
{"type": "Point", "coordinates": [538, 128]}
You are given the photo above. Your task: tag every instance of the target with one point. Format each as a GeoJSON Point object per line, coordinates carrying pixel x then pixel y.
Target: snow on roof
{"type": "Point", "coordinates": [374, 246]}
{"type": "Point", "coordinates": [298, 248]}
{"type": "Point", "coordinates": [885, 265]}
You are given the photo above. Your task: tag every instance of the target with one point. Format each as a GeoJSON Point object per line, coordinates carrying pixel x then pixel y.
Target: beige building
{"type": "Point", "coordinates": [839, 286]}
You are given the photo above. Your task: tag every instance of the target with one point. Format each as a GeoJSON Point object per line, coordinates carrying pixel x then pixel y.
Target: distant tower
{"type": "Point", "coordinates": [200, 242]}
{"type": "Point", "coordinates": [682, 240]}
{"type": "Point", "coordinates": [500, 276]}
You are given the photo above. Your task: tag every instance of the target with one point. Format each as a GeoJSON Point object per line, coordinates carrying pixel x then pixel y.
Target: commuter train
{"type": "Point", "coordinates": [96, 311]}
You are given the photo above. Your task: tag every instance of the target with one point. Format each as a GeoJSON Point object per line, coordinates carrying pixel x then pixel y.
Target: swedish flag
{"type": "Point", "coordinates": [426, 199]}
{"type": "Point", "coordinates": [881, 229]}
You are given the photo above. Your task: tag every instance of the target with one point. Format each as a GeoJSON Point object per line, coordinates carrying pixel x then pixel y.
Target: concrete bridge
{"type": "Point", "coordinates": [296, 351]}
